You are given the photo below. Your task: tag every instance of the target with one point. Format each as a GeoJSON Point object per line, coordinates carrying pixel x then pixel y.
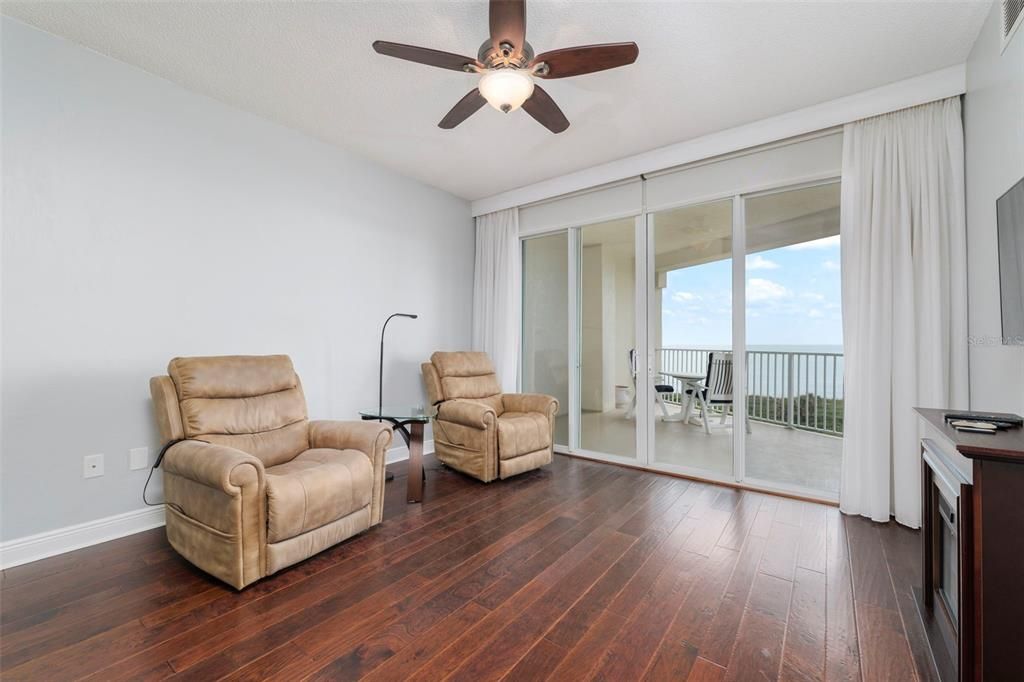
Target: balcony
{"type": "Point", "coordinates": [795, 407]}
{"type": "Point", "coordinates": [796, 389]}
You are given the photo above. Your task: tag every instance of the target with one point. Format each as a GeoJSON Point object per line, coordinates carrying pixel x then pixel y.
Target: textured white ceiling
{"type": "Point", "coordinates": [703, 67]}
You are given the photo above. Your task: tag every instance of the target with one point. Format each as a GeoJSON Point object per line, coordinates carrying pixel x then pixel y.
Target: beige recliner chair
{"type": "Point", "coordinates": [269, 488]}
{"type": "Point", "coordinates": [478, 429]}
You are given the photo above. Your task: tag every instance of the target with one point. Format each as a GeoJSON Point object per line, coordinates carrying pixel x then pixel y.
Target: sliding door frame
{"type": "Point", "coordinates": [575, 324]}
{"type": "Point", "coordinates": [758, 483]}
{"type": "Point", "coordinates": [644, 258]}
{"type": "Point", "coordinates": [739, 340]}
{"type": "Point", "coordinates": [644, 408]}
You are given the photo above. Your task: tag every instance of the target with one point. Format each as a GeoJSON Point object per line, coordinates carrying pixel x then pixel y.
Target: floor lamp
{"type": "Point", "coordinates": [380, 374]}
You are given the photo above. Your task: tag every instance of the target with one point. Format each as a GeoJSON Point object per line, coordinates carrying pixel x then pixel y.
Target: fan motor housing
{"type": "Point", "coordinates": [494, 58]}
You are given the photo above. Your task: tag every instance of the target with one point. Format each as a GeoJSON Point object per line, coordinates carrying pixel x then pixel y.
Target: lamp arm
{"type": "Point", "coordinates": [380, 371]}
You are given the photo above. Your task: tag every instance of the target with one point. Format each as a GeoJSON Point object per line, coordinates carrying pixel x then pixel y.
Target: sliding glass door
{"type": "Point", "coordinates": [545, 342]}
{"type": "Point", "coordinates": [691, 317]}
{"type": "Point", "coordinates": [703, 339]}
{"type": "Point", "coordinates": [608, 359]}
{"type": "Point", "coordinates": [794, 339]}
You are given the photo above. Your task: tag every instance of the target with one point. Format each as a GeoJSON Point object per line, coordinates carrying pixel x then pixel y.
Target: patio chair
{"type": "Point", "coordinates": [659, 389]}
{"type": "Point", "coordinates": [716, 389]}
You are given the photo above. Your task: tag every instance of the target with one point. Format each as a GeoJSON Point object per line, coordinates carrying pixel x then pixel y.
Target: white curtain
{"type": "Point", "coordinates": [496, 293]}
{"type": "Point", "coordinates": [904, 281]}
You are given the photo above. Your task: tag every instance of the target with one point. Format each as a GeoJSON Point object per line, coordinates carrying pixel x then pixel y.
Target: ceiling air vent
{"type": "Point", "coordinates": [1012, 14]}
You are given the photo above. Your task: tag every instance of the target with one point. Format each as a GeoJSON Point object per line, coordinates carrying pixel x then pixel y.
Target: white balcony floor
{"type": "Point", "coordinates": [774, 453]}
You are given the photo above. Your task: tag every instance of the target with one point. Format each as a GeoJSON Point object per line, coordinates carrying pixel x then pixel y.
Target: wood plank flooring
{"type": "Point", "coordinates": [579, 571]}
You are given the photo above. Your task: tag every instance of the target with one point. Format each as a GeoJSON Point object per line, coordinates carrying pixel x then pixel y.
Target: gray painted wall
{"type": "Point", "coordinates": [142, 221]}
{"type": "Point", "coordinates": [994, 148]}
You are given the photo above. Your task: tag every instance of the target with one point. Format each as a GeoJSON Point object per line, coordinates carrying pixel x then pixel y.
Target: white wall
{"type": "Point", "coordinates": [994, 149]}
{"type": "Point", "coordinates": [141, 221]}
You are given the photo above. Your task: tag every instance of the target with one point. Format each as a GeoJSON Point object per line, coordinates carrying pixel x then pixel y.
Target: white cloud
{"type": "Point", "coordinates": [759, 262]}
{"type": "Point", "coordinates": [765, 290]}
{"type": "Point", "coordinates": [813, 312]}
{"type": "Point", "coordinates": [684, 296]}
{"type": "Point", "coordinates": [826, 243]}
{"type": "Point", "coordinates": [830, 265]}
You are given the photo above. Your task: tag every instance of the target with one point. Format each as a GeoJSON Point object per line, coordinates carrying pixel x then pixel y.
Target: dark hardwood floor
{"type": "Point", "coordinates": [579, 571]}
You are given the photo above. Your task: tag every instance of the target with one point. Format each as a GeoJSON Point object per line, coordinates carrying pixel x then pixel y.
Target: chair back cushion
{"type": "Point", "coordinates": [465, 374]}
{"type": "Point", "coordinates": [251, 403]}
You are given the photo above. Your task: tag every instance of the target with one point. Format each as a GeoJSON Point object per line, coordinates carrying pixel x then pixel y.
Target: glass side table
{"type": "Point", "coordinates": [408, 422]}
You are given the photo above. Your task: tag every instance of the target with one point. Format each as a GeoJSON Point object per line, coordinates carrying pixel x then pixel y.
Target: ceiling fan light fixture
{"type": "Point", "coordinates": [506, 89]}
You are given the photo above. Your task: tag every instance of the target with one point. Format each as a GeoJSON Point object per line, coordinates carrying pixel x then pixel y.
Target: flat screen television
{"type": "Point", "coordinates": [1010, 218]}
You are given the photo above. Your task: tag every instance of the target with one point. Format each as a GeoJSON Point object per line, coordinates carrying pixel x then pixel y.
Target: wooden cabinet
{"type": "Point", "coordinates": [973, 527]}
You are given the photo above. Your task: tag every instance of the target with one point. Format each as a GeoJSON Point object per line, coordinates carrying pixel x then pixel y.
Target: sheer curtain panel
{"type": "Point", "coordinates": [497, 294]}
{"type": "Point", "coordinates": [904, 298]}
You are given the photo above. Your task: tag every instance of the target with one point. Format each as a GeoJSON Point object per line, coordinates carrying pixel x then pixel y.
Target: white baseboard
{"type": "Point", "coordinates": [53, 542]}
{"type": "Point", "coordinates": [50, 543]}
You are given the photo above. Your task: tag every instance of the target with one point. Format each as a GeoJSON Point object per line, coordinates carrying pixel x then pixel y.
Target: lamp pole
{"type": "Point", "coordinates": [380, 374]}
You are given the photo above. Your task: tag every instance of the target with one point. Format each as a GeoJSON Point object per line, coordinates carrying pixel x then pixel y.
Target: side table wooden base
{"type": "Point", "coordinates": [411, 431]}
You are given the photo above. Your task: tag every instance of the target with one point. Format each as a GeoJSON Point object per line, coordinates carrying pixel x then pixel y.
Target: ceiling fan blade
{"type": "Point", "coordinates": [575, 61]}
{"type": "Point", "coordinates": [508, 24]}
{"type": "Point", "coordinates": [463, 109]}
{"type": "Point", "coordinates": [424, 55]}
{"type": "Point", "coordinates": [543, 108]}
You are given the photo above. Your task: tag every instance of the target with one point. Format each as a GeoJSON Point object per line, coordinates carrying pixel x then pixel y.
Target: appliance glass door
{"type": "Point", "coordinates": [949, 576]}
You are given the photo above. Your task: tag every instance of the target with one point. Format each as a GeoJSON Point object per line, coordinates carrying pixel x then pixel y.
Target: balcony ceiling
{"type": "Point", "coordinates": [702, 233]}
{"type": "Point", "coordinates": [703, 67]}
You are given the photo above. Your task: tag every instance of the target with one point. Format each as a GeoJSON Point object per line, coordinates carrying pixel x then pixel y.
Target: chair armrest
{"type": "Point", "coordinates": [368, 437]}
{"type": "Point", "coordinates": [530, 402]}
{"type": "Point", "coordinates": [371, 438]}
{"type": "Point", "coordinates": [466, 413]}
{"type": "Point", "coordinates": [216, 466]}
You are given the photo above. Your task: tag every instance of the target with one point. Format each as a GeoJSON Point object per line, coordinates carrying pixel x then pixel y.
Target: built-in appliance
{"type": "Point", "coordinates": [946, 488]}
{"type": "Point", "coordinates": [971, 595]}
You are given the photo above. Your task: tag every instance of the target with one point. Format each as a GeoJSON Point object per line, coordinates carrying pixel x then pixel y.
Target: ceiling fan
{"type": "Point", "coordinates": [507, 67]}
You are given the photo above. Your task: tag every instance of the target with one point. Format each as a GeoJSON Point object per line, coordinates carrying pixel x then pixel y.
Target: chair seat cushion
{"type": "Point", "coordinates": [520, 433]}
{"type": "Point", "coordinates": [318, 486]}
{"type": "Point", "coordinates": [664, 388]}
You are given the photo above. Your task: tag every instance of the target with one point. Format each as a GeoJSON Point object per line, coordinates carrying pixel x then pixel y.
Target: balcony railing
{"type": "Point", "coordinates": [798, 389]}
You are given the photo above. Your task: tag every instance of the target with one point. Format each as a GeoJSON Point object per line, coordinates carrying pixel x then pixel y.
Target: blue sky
{"type": "Point", "coordinates": [793, 298]}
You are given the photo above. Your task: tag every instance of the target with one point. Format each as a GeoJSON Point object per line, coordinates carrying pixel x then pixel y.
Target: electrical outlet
{"type": "Point", "coordinates": [92, 466]}
{"type": "Point", "coordinates": [138, 458]}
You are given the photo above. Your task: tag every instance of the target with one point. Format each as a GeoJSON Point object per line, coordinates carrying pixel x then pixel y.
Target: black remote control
{"type": "Point", "coordinates": [994, 417]}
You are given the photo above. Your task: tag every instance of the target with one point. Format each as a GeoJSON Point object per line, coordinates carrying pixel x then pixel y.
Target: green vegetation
{"type": "Point", "coordinates": [811, 411]}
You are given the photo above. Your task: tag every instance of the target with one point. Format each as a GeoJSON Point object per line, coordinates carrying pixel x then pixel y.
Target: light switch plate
{"type": "Point", "coordinates": [138, 458]}
{"type": "Point", "coordinates": [92, 466]}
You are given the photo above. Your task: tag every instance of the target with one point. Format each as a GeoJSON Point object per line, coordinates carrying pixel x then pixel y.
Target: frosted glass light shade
{"type": "Point", "coordinates": [506, 89]}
